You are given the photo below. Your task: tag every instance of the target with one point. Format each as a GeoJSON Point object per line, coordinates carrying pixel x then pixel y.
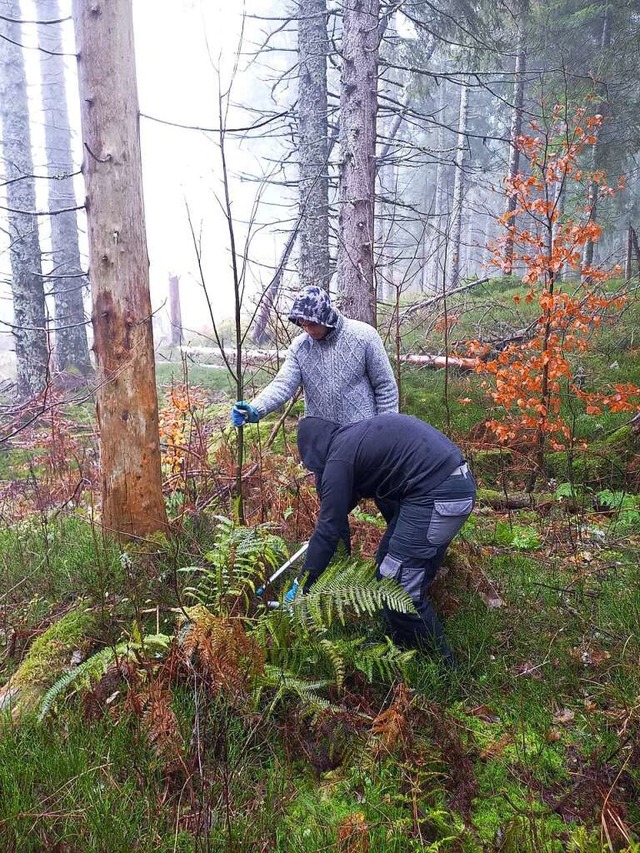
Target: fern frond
{"type": "Point", "coordinates": [287, 683]}
{"type": "Point", "coordinates": [349, 587]}
{"type": "Point", "coordinates": [337, 660]}
{"type": "Point", "coordinates": [239, 563]}
{"type": "Point", "coordinates": [93, 667]}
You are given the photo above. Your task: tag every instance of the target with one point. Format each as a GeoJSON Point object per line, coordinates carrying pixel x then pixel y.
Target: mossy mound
{"type": "Point", "coordinates": [612, 463]}
{"type": "Point", "coordinates": [49, 656]}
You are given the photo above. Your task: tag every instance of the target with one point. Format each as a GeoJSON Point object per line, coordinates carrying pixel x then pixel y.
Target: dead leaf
{"type": "Point", "coordinates": [484, 712]}
{"type": "Point", "coordinates": [497, 747]}
{"type": "Point", "coordinates": [564, 716]}
{"type": "Point", "coordinates": [528, 669]}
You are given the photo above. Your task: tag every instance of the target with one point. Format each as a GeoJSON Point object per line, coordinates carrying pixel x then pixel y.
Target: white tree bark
{"type": "Point", "coordinates": [358, 109]}
{"type": "Point", "coordinates": [458, 189]}
{"type": "Point", "coordinates": [29, 319]}
{"type": "Point", "coordinates": [133, 504]}
{"type": "Point", "coordinates": [71, 350]}
{"type": "Point", "coordinates": [313, 49]}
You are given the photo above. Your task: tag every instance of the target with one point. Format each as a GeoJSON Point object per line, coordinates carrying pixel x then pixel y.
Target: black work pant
{"type": "Point", "coordinates": [413, 548]}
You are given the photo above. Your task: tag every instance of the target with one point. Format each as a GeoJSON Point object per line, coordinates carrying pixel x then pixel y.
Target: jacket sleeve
{"type": "Point", "coordinates": [333, 520]}
{"type": "Point", "coordinates": [381, 376]}
{"type": "Point", "coordinates": [281, 388]}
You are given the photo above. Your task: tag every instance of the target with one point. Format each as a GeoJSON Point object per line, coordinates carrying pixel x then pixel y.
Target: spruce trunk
{"type": "Point", "coordinates": [358, 109]}
{"type": "Point", "coordinates": [133, 504]}
{"type": "Point", "coordinates": [29, 316]}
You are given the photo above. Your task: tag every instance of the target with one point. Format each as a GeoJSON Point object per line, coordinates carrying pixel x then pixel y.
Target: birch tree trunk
{"type": "Point", "coordinates": [458, 188]}
{"type": "Point", "coordinates": [514, 133]}
{"type": "Point", "coordinates": [29, 316]}
{"type": "Point", "coordinates": [71, 349]}
{"type": "Point", "coordinates": [313, 50]}
{"type": "Point", "coordinates": [358, 108]}
{"type": "Point", "coordinates": [133, 504]}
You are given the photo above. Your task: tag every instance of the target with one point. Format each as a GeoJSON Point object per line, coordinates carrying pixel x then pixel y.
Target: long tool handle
{"type": "Point", "coordinates": [302, 550]}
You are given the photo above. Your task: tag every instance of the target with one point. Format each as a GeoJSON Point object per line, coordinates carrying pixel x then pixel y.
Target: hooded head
{"type": "Point", "coordinates": [313, 305]}
{"type": "Point", "coordinates": [314, 439]}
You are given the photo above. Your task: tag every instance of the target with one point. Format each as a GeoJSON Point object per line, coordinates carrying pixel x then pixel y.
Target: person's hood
{"type": "Point", "coordinates": [314, 439]}
{"type": "Point", "coordinates": [314, 305]}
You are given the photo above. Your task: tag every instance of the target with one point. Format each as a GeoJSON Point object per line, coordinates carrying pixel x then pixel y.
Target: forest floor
{"type": "Point", "coordinates": [183, 715]}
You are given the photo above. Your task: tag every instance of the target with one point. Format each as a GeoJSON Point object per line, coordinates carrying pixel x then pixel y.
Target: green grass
{"type": "Point", "coordinates": [540, 696]}
{"type": "Point", "coordinates": [545, 696]}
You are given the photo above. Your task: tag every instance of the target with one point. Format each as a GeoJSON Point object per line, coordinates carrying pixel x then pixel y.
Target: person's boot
{"type": "Point", "coordinates": [435, 633]}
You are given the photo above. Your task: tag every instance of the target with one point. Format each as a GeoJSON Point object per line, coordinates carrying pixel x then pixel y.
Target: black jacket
{"type": "Point", "coordinates": [389, 457]}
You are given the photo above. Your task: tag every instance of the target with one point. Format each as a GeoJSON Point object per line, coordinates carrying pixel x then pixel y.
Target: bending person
{"type": "Point", "coordinates": [404, 462]}
{"type": "Point", "coordinates": [341, 364]}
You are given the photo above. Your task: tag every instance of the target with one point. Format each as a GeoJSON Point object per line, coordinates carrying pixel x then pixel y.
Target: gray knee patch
{"type": "Point", "coordinates": [391, 568]}
{"type": "Point", "coordinates": [410, 578]}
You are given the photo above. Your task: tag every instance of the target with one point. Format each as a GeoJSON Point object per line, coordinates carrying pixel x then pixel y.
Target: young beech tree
{"type": "Point", "coordinates": [529, 377]}
{"type": "Point", "coordinates": [133, 504]}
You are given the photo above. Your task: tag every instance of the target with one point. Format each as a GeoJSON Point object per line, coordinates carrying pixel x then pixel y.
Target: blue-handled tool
{"type": "Point", "coordinates": [302, 550]}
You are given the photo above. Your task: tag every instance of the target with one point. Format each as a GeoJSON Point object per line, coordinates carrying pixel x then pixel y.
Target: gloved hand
{"type": "Point", "coordinates": [291, 593]}
{"type": "Point", "coordinates": [243, 413]}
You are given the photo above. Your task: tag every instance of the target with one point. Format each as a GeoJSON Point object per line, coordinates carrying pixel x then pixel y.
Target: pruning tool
{"type": "Point", "coordinates": [260, 591]}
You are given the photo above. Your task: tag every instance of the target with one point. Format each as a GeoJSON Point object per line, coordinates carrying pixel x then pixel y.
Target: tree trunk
{"type": "Point", "coordinates": [458, 188]}
{"type": "Point", "coordinates": [358, 108]}
{"type": "Point", "coordinates": [313, 49]}
{"type": "Point", "coordinates": [439, 196]}
{"type": "Point", "coordinates": [603, 109]}
{"type": "Point", "coordinates": [29, 316]}
{"type": "Point", "coordinates": [133, 504]}
{"type": "Point", "coordinates": [71, 349]}
{"type": "Point", "coordinates": [175, 311]}
{"type": "Point", "coordinates": [514, 133]}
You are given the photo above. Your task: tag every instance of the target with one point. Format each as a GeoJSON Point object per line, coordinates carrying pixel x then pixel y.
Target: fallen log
{"type": "Point", "coordinates": [265, 356]}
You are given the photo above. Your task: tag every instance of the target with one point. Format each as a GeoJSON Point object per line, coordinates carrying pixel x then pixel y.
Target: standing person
{"type": "Point", "coordinates": [402, 461]}
{"type": "Point", "coordinates": [341, 364]}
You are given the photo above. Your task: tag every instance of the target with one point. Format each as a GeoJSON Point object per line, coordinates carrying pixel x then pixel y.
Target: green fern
{"type": "Point", "coordinates": [348, 587]}
{"type": "Point", "coordinates": [92, 668]}
{"type": "Point", "coordinates": [238, 564]}
{"type": "Point", "coordinates": [95, 666]}
{"type": "Point", "coordinates": [286, 683]}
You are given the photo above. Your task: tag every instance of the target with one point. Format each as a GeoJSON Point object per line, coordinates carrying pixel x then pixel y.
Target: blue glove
{"type": "Point", "coordinates": [243, 413]}
{"type": "Point", "coordinates": [291, 593]}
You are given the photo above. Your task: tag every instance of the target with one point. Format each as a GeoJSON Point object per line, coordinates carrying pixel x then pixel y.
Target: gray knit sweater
{"type": "Point", "coordinates": [346, 377]}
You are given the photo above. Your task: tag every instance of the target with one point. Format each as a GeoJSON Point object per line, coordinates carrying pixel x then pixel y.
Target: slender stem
{"type": "Point", "coordinates": [237, 304]}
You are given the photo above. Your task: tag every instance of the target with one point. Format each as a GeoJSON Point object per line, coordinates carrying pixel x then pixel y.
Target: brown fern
{"type": "Point", "coordinates": [221, 652]}
{"type": "Point", "coordinates": [353, 834]}
{"type": "Point", "coordinates": [391, 729]}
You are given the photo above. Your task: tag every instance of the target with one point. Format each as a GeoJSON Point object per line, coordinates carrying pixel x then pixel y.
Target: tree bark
{"type": "Point", "coordinates": [514, 133]}
{"type": "Point", "coordinates": [439, 207]}
{"type": "Point", "coordinates": [133, 504]}
{"type": "Point", "coordinates": [313, 50]}
{"type": "Point", "coordinates": [29, 315]}
{"type": "Point", "coordinates": [358, 108]}
{"type": "Point", "coordinates": [458, 188]}
{"type": "Point", "coordinates": [175, 310]}
{"type": "Point", "coordinates": [603, 108]}
{"type": "Point", "coordinates": [68, 282]}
